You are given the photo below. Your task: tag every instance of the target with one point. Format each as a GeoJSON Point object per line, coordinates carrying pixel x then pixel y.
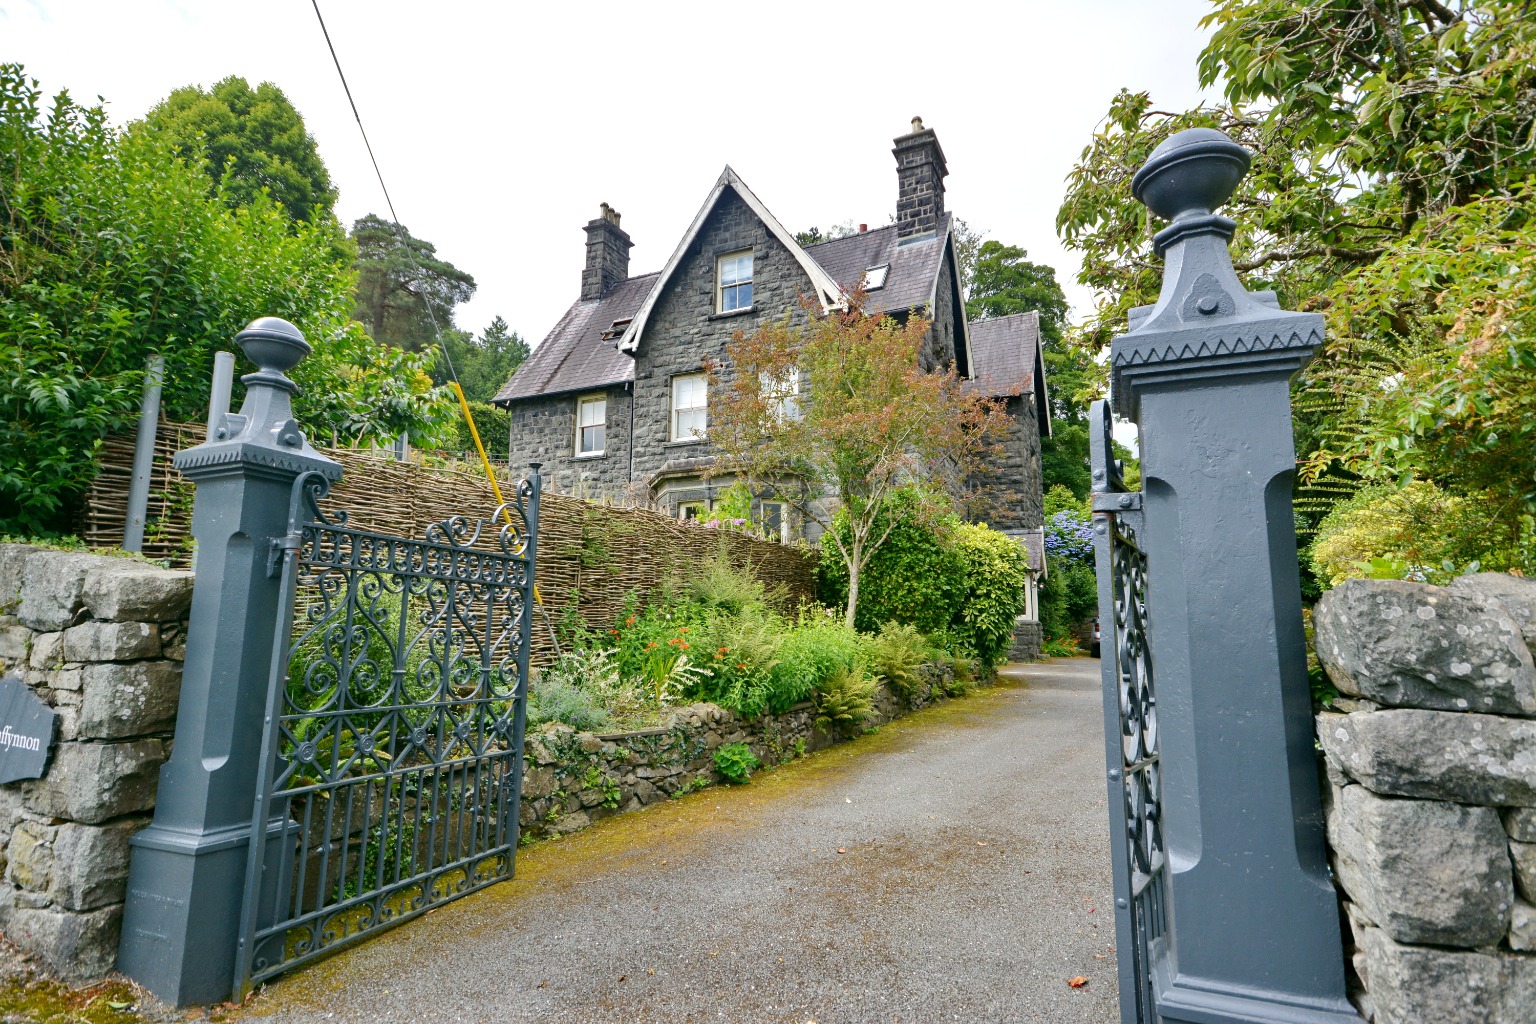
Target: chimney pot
{"type": "Point", "coordinates": [863, 228]}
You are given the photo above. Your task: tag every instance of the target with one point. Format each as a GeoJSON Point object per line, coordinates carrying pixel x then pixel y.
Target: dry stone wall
{"type": "Point", "coordinates": [101, 641]}
{"type": "Point", "coordinates": [573, 779]}
{"type": "Point", "coordinates": [1431, 760]}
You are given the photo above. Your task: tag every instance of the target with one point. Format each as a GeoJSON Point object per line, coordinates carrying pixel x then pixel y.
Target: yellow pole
{"type": "Point", "coordinates": [485, 461]}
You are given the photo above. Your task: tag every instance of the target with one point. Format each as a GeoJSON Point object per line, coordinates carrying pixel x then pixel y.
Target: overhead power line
{"type": "Point", "coordinates": [437, 330]}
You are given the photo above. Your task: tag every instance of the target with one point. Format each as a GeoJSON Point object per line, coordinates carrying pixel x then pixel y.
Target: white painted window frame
{"type": "Point", "coordinates": [582, 404]}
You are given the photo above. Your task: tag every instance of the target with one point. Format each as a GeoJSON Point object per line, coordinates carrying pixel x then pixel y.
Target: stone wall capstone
{"type": "Point", "coordinates": [1431, 763]}
{"type": "Point", "coordinates": [101, 641]}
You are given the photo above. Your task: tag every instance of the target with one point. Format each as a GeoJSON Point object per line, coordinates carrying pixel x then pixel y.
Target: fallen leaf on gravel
{"type": "Point", "coordinates": [1077, 982]}
{"type": "Point", "coordinates": [1100, 956]}
{"type": "Point", "coordinates": [623, 977]}
{"type": "Point", "coordinates": [841, 850]}
{"type": "Point", "coordinates": [651, 971]}
{"type": "Point", "coordinates": [980, 843]}
{"type": "Point", "coordinates": [542, 984]}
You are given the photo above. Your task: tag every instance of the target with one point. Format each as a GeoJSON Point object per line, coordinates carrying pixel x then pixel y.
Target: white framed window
{"type": "Point", "coordinates": [591, 424]}
{"type": "Point", "coordinates": [734, 274]}
{"type": "Point", "coordinates": [690, 393]}
{"type": "Point", "coordinates": [775, 520]}
{"type": "Point", "coordinates": [781, 394]}
{"type": "Point", "coordinates": [690, 510]}
{"type": "Point", "coordinates": [875, 277]}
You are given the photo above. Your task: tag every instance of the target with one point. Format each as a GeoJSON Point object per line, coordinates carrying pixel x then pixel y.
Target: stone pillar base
{"type": "Point", "coordinates": [1028, 638]}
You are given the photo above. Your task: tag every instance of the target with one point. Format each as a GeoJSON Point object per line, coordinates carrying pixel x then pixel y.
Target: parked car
{"type": "Point", "coordinates": [1093, 648]}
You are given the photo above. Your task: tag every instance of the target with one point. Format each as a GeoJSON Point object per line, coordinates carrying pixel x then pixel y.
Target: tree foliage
{"type": "Point", "coordinates": [247, 141]}
{"type": "Point", "coordinates": [1004, 283]}
{"type": "Point", "coordinates": [1393, 188]}
{"type": "Point", "coordinates": [111, 249]}
{"type": "Point", "coordinates": [405, 294]}
{"type": "Point", "coordinates": [841, 407]}
{"type": "Point", "coordinates": [483, 364]}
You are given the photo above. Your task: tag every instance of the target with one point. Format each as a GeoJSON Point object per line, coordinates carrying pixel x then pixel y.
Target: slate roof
{"type": "Point", "coordinates": [914, 264]}
{"type": "Point", "coordinates": [574, 356]}
{"type": "Point", "coordinates": [1008, 361]}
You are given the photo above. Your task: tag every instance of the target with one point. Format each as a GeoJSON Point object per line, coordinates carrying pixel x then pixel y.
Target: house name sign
{"type": "Point", "coordinates": [27, 728]}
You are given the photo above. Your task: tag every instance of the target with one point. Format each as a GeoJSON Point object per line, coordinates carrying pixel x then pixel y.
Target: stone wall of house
{"type": "Point", "coordinates": [545, 429]}
{"type": "Point", "coordinates": [939, 347]}
{"type": "Point", "coordinates": [1431, 763]}
{"type": "Point", "coordinates": [100, 640]}
{"type": "Point", "coordinates": [573, 779]}
{"type": "Point", "coordinates": [684, 333]}
{"type": "Point", "coordinates": [1009, 489]}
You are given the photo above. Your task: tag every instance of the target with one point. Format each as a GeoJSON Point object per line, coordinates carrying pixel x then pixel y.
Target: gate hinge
{"type": "Point", "coordinates": [280, 547]}
{"type": "Point", "coordinates": [1128, 501]}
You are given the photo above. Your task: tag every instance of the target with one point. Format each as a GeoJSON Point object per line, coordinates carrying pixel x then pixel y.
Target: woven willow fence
{"type": "Point", "coordinates": [592, 555]}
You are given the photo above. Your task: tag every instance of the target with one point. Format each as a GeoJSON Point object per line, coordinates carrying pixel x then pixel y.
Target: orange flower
{"type": "Point", "coordinates": [685, 647]}
{"type": "Point", "coordinates": [723, 649]}
{"type": "Point", "coordinates": [741, 666]}
{"type": "Point", "coordinates": [682, 629]}
{"type": "Point", "coordinates": [629, 621]}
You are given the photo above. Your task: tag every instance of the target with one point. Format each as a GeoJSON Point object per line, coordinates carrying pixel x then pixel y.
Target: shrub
{"type": "Point", "coordinates": [809, 654]}
{"type": "Point", "coordinates": [723, 587]}
{"type": "Point", "coordinates": [739, 655]}
{"type": "Point", "coordinates": [845, 698]}
{"type": "Point", "coordinates": [996, 572]}
{"type": "Point", "coordinates": [735, 762]}
{"type": "Point", "coordinates": [1417, 531]}
{"type": "Point", "coordinates": [554, 700]}
{"type": "Point", "coordinates": [895, 655]}
{"type": "Point", "coordinates": [916, 576]}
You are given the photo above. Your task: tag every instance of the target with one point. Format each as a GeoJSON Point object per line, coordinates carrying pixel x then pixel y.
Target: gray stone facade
{"type": "Point", "coordinates": [101, 641]}
{"type": "Point", "coordinates": [1432, 804]}
{"type": "Point", "coordinates": [1008, 495]}
{"type": "Point", "coordinates": [544, 430]}
{"type": "Point", "coordinates": [685, 334]}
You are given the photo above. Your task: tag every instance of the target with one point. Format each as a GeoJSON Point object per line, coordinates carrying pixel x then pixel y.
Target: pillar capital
{"type": "Point", "coordinates": [1204, 323]}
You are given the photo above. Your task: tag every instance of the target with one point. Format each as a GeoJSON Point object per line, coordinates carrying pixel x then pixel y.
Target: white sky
{"type": "Point", "coordinates": [501, 127]}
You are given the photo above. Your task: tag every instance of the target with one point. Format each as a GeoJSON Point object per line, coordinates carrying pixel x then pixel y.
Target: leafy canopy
{"type": "Point", "coordinates": [405, 294]}
{"type": "Point", "coordinates": [247, 141]}
{"type": "Point", "coordinates": [112, 249]}
{"type": "Point", "coordinates": [1393, 188]}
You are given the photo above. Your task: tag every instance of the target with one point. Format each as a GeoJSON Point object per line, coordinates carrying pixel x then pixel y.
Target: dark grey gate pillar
{"type": "Point", "coordinates": [181, 924]}
{"type": "Point", "coordinates": [1253, 921]}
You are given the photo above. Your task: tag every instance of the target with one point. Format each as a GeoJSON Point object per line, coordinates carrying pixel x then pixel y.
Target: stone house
{"type": "Point", "coordinates": [614, 400]}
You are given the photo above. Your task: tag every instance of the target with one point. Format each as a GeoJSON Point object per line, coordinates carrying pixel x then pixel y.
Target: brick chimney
{"type": "Point", "coordinates": [920, 173]}
{"type": "Point", "coordinates": [607, 255]}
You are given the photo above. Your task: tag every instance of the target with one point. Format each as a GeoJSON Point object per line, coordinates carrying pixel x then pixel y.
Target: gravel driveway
{"type": "Point", "coordinates": [952, 867]}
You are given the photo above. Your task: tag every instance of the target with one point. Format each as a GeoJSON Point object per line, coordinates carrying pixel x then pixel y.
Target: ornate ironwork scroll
{"type": "Point", "coordinates": [1130, 726]}
{"type": "Point", "coordinates": [393, 751]}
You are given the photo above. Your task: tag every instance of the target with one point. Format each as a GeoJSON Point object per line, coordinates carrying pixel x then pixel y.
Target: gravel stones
{"type": "Point", "coordinates": [1404, 644]}
{"type": "Point", "coordinates": [1425, 871]}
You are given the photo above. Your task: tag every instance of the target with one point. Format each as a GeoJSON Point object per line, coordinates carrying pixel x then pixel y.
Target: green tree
{"type": "Point", "coordinates": [1394, 189]}
{"type": "Point", "coordinates": [840, 408]}
{"type": "Point", "coordinates": [483, 364]}
{"type": "Point", "coordinates": [405, 294]}
{"type": "Point", "coordinates": [247, 140]}
{"type": "Point", "coordinates": [1005, 282]}
{"type": "Point", "coordinates": [112, 249]}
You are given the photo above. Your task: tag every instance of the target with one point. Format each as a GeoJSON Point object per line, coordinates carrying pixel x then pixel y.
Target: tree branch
{"type": "Point", "coordinates": [1335, 251]}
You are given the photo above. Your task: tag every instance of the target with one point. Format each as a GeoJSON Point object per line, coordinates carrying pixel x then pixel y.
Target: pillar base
{"type": "Point", "coordinates": [1193, 1001]}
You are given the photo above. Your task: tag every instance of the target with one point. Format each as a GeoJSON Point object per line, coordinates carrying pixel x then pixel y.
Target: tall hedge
{"type": "Point", "coordinates": [113, 250]}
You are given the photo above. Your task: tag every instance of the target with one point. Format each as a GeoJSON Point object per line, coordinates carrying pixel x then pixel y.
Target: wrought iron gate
{"type": "Point", "coordinates": [393, 748]}
{"type": "Point", "coordinates": [1130, 726]}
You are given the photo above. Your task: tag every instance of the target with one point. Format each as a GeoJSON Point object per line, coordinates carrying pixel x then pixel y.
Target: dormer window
{"type": "Point", "coordinates": [734, 274]}
{"type": "Point", "coordinates": [875, 277]}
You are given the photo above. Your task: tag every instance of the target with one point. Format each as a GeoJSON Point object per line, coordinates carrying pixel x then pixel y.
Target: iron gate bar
{"type": "Point", "coordinates": [376, 802]}
{"type": "Point", "coordinates": [1130, 725]}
